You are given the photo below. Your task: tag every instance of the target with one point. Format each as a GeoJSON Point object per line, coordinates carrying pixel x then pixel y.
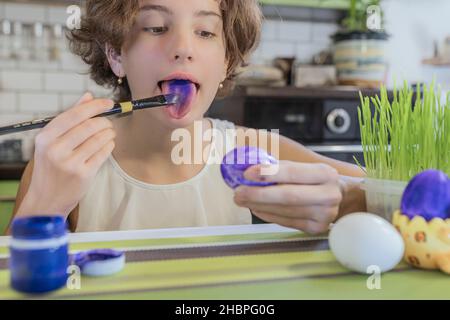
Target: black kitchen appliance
{"type": "Point", "coordinates": [327, 126]}
{"type": "Point", "coordinates": [323, 119]}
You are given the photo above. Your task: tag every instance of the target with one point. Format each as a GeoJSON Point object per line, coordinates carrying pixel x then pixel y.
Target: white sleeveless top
{"type": "Point", "coordinates": [117, 201]}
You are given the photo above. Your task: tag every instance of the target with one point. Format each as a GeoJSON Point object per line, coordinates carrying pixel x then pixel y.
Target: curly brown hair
{"type": "Point", "coordinates": [109, 22]}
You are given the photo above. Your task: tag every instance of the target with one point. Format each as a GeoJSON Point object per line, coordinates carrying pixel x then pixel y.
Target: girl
{"type": "Point", "coordinates": [119, 174]}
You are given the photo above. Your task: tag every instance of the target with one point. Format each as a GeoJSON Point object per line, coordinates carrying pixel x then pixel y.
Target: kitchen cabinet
{"type": "Point", "coordinates": [330, 11]}
{"type": "Point", "coordinates": [328, 4]}
{"type": "Point", "coordinates": [8, 191]}
{"type": "Point", "coordinates": [325, 4]}
{"type": "Point", "coordinates": [310, 10]}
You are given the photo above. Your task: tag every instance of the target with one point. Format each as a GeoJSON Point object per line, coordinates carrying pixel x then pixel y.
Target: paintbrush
{"type": "Point", "coordinates": [119, 108]}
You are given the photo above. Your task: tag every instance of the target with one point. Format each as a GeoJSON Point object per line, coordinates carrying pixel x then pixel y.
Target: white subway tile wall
{"type": "Point", "coordinates": [299, 39]}
{"type": "Point", "coordinates": [271, 49]}
{"type": "Point", "coordinates": [60, 81]}
{"type": "Point", "coordinates": [270, 30]}
{"type": "Point", "coordinates": [70, 62]}
{"type": "Point", "coordinates": [294, 31]}
{"type": "Point", "coordinates": [68, 99]}
{"type": "Point", "coordinates": [25, 12]}
{"type": "Point", "coordinates": [44, 102]}
{"type": "Point", "coordinates": [21, 80]}
{"type": "Point", "coordinates": [57, 15]}
{"type": "Point", "coordinates": [29, 88]}
{"type": "Point", "coordinates": [322, 31]}
{"type": "Point", "coordinates": [8, 102]}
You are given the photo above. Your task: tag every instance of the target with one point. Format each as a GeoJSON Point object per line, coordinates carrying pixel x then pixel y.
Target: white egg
{"type": "Point", "coordinates": [362, 240]}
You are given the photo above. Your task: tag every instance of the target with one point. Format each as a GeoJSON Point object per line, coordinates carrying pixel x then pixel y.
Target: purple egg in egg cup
{"type": "Point", "coordinates": [427, 195]}
{"type": "Point", "coordinates": [423, 220]}
{"type": "Point", "coordinates": [238, 160]}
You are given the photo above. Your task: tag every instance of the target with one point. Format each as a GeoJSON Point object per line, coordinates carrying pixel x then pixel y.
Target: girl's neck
{"type": "Point", "coordinates": [141, 137]}
{"type": "Point", "coordinates": [143, 144]}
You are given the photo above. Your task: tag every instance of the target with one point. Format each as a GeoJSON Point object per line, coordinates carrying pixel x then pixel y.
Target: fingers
{"type": "Point", "coordinates": [291, 195]}
{"type": "Point", "coordinates": [96, 161]}
{"type": "Point", "coordinates": [93, 145]}
{"type": "Point", "coordinates": [320, 214]}
{"type": "Point", "coordinates": [78, 135]}
{"type": "Point", "coordinates": [309, 226]}
{"type": "Point", "coordinates": [85, 98]}
{"type": "Point", "coordinates": [76, 115]}
{"type": "Point", "coordinates": [306, 197]}
{"type": "Point", "coordinates": [293, 172]}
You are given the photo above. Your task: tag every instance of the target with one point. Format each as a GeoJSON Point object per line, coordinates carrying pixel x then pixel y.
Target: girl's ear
{"type": "Point", "coordinates": [115, 61]}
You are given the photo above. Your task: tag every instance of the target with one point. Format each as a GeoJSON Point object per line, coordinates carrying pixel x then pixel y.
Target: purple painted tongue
{"type": "Point", "coordinates": [183, 88]}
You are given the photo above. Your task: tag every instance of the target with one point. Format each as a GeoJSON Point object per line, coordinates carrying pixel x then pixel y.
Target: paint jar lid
{"type": "Point", "coordinates": [37, 228]}
{"type": "Point", "coordinates": [100, 262]}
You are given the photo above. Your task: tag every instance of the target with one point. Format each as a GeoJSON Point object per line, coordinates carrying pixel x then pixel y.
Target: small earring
{"type": "Point", "coordinates": [221, 85]}
{"type": "Point", "coordinates": [119, 81]}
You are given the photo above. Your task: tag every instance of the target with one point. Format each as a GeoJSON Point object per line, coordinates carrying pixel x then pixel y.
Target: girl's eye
{"type": "Point", "coordinates": [161, 30]}
{"type": "Point", "coordinates": [206, 34]}
{"type": "Point", "coordinates": [156, 30]}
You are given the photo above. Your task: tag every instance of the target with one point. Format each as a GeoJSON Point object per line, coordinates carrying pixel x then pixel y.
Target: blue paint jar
{"type": "Point", "coordinates": [39, 254]}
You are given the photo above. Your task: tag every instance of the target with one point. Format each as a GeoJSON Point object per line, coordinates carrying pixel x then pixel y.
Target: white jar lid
{"type": "Point", "coordinates": [100, 262]}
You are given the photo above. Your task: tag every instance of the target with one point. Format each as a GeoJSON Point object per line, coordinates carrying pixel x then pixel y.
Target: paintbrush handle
{"type": "Point", "coordinates": [40, 123]}
{"type": "Point", "coordinates": [25, 126]}
{"type": "Point", "coordinates": [124, 107]}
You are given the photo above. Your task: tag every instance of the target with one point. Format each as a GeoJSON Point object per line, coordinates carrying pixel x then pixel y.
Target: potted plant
{"type": "Point", "coordinates": [359, 47]}
{"type": "Point", "coordinates": [401, 138]}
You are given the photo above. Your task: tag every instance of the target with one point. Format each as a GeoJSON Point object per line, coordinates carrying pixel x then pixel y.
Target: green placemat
{"type": "Point", "coordinates": [6, 210]}
{"type": "Point", "coordinates": [291, 274]}
{"type": "Point", "coordinates": [9, 188]}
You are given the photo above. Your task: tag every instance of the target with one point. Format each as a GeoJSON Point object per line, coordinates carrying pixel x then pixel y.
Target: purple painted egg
{"type": "Point", "coordinates": [237, 161]}
{"type": "Point", "coordinates": [427, 195]}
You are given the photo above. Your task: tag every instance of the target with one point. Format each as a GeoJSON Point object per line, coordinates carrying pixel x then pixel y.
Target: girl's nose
{"type": "Point", "coordinates": [183, 49]}
{"type": "Point", "coordinates": [183, 57]}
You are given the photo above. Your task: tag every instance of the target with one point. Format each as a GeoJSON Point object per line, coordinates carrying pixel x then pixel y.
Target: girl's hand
{"type": "Point", "coordinates": [69, 151]}
{"type": "Point", "coordinates": [307, 196]}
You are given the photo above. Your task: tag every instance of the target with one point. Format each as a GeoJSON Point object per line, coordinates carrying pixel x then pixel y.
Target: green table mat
{"type": "Point", "coordinates": [284, 265]}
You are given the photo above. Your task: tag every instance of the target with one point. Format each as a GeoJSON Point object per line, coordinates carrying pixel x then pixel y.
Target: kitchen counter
{"type": "Point", "coordinates": [331, 92]}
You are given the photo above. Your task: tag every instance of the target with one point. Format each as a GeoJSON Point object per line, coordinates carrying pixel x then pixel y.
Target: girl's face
{"type": "Point", "coordinates": [175, 39]}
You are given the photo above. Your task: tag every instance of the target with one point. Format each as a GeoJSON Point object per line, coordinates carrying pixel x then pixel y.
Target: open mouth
{"type": "Point", "coordinates": [160, 83]}
{"type": "Point", "coordinates": [186, 91]}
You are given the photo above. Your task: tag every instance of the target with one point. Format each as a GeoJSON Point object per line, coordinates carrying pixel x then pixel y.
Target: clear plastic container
{"type": "Point", "coordinates": [383, 197]}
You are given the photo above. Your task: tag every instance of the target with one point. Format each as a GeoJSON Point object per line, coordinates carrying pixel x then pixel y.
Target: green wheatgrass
{"type": "Point", "coordinates": [400, 140]}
